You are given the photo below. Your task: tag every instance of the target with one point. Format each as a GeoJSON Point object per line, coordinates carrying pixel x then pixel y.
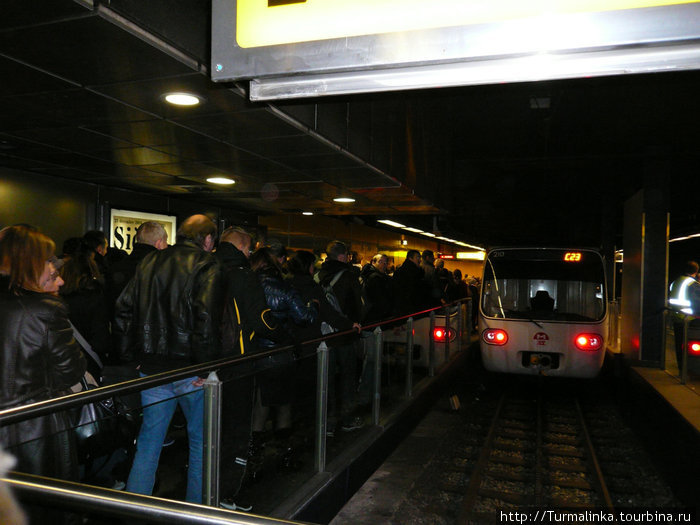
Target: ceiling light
{"type": "Point", "coordinates": [343, 199]}
{"type": "Point", "coordinates": [414, 230]}
{"type": "Point", "coordinates": [392, 223]}
{"type": "Point", "coordinates": [221, 180]}
{"type": "Point", "coordinates": [182, 99]}
{"type": "Point", "coordinates": [307, 213]}
{"type": "Point", "coordinates": [428, 234]}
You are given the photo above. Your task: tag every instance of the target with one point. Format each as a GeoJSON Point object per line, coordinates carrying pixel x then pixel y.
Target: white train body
{"type": "Point", "coordinates": [543, 311]}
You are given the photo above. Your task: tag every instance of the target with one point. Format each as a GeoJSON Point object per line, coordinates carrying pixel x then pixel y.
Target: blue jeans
{"type": "Point", "coordinates": [159, 404]}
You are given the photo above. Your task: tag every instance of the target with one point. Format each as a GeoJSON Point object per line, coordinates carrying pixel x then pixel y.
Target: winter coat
{"type": "Point", "coordinates": [246, 300]}
{"type": "Point", "coordinates": [169, 315]}
{"type": "Point", "coordinates": [378, 295]}
{"type": "Point", "coordinates": [310, 290]}
{"type": "Point", "coordinates": [347, 288]}
{"type": "Point", "coordinates": [40, 360]}
{"type": "Point", "coordinates": [409, 288]}
{"type": "Point", "coordinates": [285, 303]}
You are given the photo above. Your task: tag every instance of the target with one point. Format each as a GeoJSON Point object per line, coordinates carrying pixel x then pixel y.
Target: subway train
{"type": "Point", "coordinates": [543, 311]}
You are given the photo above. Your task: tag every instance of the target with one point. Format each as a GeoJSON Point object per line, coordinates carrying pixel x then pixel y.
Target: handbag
{"type": "Point", "coordinates": [102, 426]}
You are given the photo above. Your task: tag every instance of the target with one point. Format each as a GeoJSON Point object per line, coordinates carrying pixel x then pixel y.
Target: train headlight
{"type": "Point", "coordinates": [588, 342]}
{"type": "Point", "coordinates": [495, 336]}
{"type": "Point", "coordinates": [441, 334]}
{"type": "Point", "coordinates": [694, 347]}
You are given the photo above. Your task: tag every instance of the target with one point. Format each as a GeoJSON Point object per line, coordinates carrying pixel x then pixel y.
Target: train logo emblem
{"type": "Point", "coordinates": [541, 338]}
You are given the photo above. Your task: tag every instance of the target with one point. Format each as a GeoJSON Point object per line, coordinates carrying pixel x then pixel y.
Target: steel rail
{"type": "Point", "coordinates": [472, 492]}
{"type": "Point", "coordinates": [598, 478]}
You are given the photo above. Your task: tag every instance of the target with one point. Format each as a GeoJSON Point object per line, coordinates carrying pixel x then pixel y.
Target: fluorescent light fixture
{"type": "Point", "coordinates": [414, 230]}
{"type": "Point", "coordinates": [182, 99]}
{"type": "Point", "coordinates": [473, 256]}
{"type": "Point", "coordinates": [307, 213]}
{"type": "Point", "coordinates": [221, 180]}
{"type": "Point", "coordinates": [392, 223]}
{"type": "Point", "coordinates": [343, 199]}
{"type": "Point", "coordinates": [428, 234]}
{"type": "Point", "coordinates": [685, 238]}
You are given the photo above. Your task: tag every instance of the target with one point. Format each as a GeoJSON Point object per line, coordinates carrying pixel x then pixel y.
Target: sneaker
{"type": "Point", "coordinates": [231, 505]}
{"type": "Point", "coordinates": [169, 440]}
{"type": "Point", "coordinates": [353, 424]}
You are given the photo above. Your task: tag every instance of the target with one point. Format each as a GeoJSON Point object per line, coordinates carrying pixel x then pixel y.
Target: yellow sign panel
{"type": "Point", "coordinates": [124, 223]}
{"type": "Point", "coordinates": [273, 22]}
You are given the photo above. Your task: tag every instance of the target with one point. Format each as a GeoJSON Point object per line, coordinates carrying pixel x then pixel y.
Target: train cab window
{"type": "Point", "coordinates": [544, 284]}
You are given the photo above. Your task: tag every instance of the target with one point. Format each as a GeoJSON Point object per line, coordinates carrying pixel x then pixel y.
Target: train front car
{"type": "Point", "coordinates": [543, 311]}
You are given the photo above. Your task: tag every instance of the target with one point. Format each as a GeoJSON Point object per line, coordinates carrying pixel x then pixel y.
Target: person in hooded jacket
{"type": "Point", "coordinates": [40, 359]}
{"type": "Point", "coordinates": [275, 386]}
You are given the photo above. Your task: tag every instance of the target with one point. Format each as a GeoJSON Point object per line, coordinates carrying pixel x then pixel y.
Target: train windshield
{"type": "Point", "coordinates": [544, 284]}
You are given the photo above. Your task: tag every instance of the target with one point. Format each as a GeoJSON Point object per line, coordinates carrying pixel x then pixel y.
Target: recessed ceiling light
{"type": "Point", "coordinates": [221, 180]}
{"type": "Point", "coordinates": [392, 223]}
{"type": "Point", "coordinates": [344, 199]}
{"type": "Point", "coordinates": [182, 99]}
{"type": "Point", "coordinates": [307, 213]}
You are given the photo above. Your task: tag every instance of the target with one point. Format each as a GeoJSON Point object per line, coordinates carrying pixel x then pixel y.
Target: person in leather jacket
{"type": "Point", "coordinates": [169, 317]}
{"type": "Point", "coordinates": [40, 357]}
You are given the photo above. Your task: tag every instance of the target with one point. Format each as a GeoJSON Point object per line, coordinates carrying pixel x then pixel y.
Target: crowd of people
{"type": "Point", "coordinates": [164, 307]}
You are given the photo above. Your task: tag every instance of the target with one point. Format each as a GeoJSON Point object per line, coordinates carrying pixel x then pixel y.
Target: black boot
{"type": "Point", "coordinates": [287, 459]}
{"type": "Point", "coordinates": [256, 455]}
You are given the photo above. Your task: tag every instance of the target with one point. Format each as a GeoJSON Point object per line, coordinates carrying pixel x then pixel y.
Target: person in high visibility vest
{"type": "Point", "coordinates": [684, 299]}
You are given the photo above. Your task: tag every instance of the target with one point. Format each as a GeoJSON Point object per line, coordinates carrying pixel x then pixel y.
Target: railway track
{"type": "Point", "coordinates": [538, 454]}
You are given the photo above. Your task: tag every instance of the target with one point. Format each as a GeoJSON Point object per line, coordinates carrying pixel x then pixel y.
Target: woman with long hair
{"type": "Point", "coordinates": [40, 358]}
{"type": "Point", "coordinates": [84, 292]}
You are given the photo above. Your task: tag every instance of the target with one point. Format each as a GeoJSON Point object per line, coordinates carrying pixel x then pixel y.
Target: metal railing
{"type": "Point", "coordinates": [110, 502]}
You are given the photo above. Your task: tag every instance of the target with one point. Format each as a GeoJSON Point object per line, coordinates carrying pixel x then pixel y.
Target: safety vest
{"type": "Point", "coordinates": [680, 300]}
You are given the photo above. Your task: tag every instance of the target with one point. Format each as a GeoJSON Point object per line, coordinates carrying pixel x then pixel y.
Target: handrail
{"type": "Point", "coordinates": [24, 412]}
{"type": "Point", "coordinates": [125, 504]}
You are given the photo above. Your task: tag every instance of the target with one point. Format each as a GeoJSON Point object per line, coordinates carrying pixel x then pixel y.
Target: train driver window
{"type": "Point", "coordinates": [542, 302]}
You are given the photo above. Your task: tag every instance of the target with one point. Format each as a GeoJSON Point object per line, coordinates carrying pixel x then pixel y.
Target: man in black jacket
{"type": "Point", "coordinates": [150, 236]}
{"type": "Point", "coordinates": [249, 313]}
{"type": "Point", "coordinates": [169, 317]}
{"type": "Point", "coordinates": [337, 272]}
{"type": "Point", "coordinates": [408, 285]}
{"type": "Point", "coordinates": [378, 306]}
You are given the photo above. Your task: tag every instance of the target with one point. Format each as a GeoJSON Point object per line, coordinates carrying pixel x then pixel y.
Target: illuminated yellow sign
{"type": "Point", "coordinates": [270, 22]}
{"type": "Point", "coordinates": [124, 223]}
{"type": "Point", "coordinates": [572, 256]}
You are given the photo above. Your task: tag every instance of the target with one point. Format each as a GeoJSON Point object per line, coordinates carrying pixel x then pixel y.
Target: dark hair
{"type": "Point", "coordinates": [412, 253]}
{"type": "Point", "coordinates": [301, 261]}
{"type": "Point", "coordinates": [336, 249]}
{"type": "Point", "coordinates": [95, 239]}
{"type": "Point", "coordinates": [24, 251]}
{"type": "Point", "coordinates": [80, 272]}
{"type": "Point", "coordinates": [196, 229]}
{"type": "Point", "coordinates": [277, 249]}
{"type": "Point", "coordinates": [457, 274]}
{"type": "Point", "coordinates": [262, 261]}
{"type": "Point", "coordinates": [428, 253]}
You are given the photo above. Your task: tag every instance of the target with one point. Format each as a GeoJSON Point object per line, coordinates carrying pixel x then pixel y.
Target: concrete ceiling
{"type": "Point", "coordinates": [547, 162]}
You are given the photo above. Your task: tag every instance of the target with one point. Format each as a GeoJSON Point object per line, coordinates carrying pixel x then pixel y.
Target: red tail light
{"type": "Point", "coordinates": [495, 336]}
{"type": "Point", "coordinates": [589, 342]}
{"type": "Point", "coordinates": [694, 347]}
{"type": "Point", "coordinates": [440, 334]}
